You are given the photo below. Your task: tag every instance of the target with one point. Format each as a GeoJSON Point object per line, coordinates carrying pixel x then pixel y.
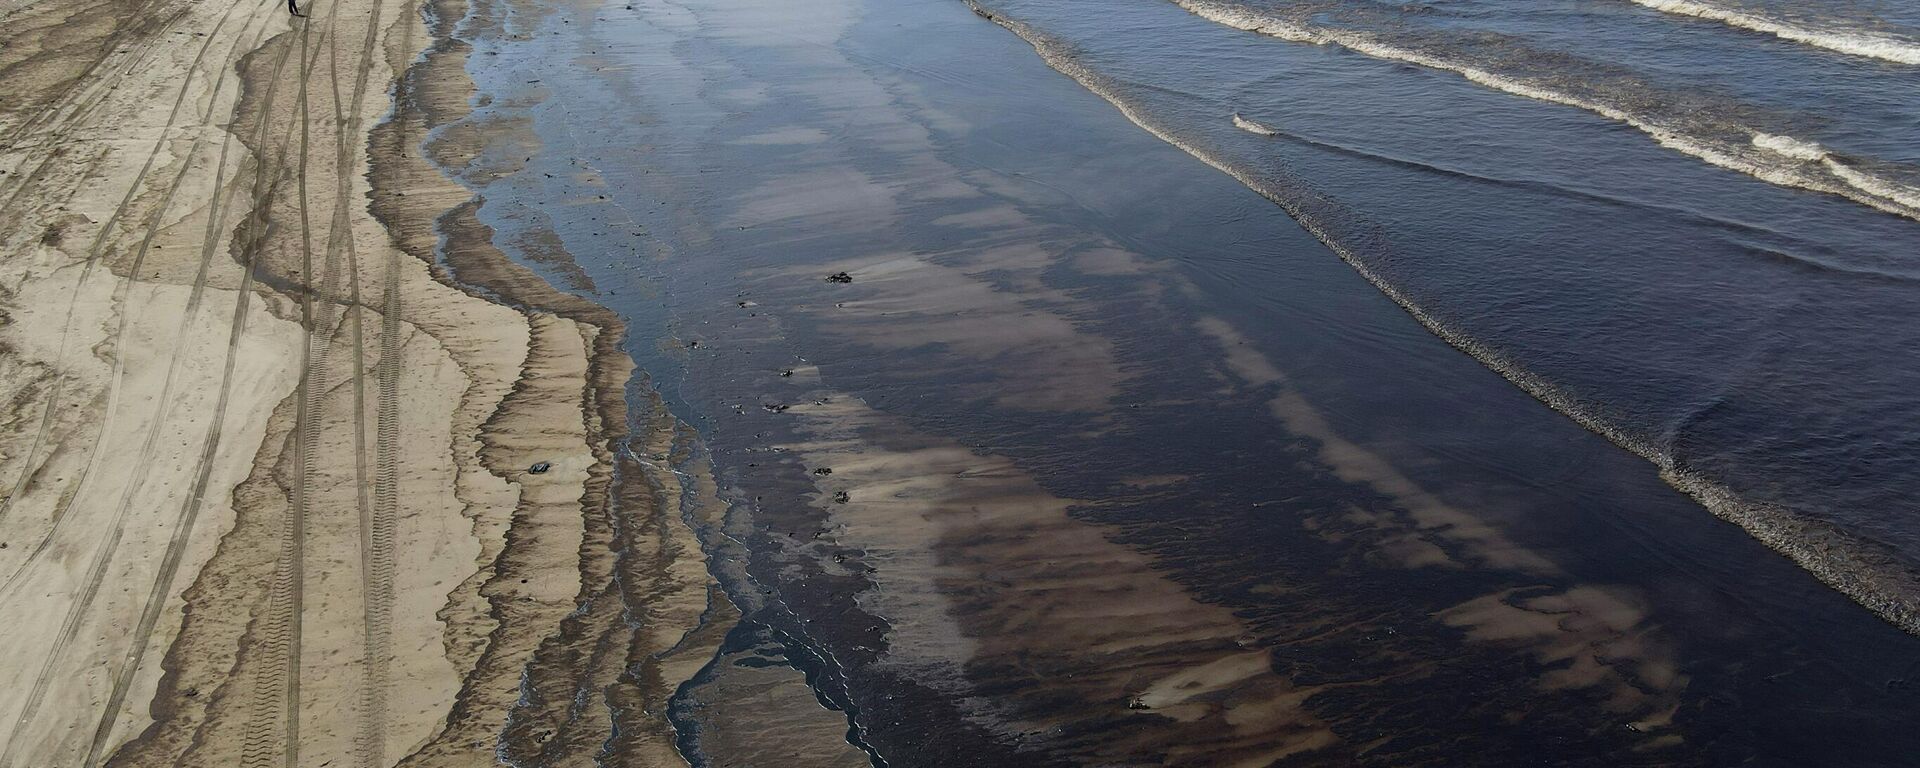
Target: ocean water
{"type": "Point", "coordinates": [1691, 226]}
{"type": "Point", "coordinates": [1122, 446]}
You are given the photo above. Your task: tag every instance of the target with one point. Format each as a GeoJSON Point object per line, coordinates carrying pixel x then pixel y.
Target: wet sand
{"type": "Point", "coordinates": [508, 416]}
{"type": "Point", "coordinates": [268, 458]}
{"type": "Point", "coordinates": [1094, 457]}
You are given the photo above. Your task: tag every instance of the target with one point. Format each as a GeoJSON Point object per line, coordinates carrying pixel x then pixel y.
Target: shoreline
{"type": "Point", "coordinates": [730, 382]}
{"type": "Point", "coordinates": [389, 499]}
{"type": "Point", "coordinates": [1868, 572]}
{"type": "Point", "coordinates": [1068, 370]}
{"type": "Point", "coordinates": [668, 537]}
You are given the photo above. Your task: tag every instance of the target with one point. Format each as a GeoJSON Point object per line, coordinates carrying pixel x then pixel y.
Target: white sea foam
{"type": "Point", "coordinates": [1252, 127]}
{"type": "Point", "coordinates": [1852, 42]}
{"type": "Point", "coordinates": [1830, 177]}
{"type": "Point", "coordinates": [1790, 146]}
{"type": "Point", "coordinates": [1872, 579]}
{"type": "Point", "coordinates": [1866, 182]}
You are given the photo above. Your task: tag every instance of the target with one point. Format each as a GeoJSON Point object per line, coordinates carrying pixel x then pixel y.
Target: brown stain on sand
{"type": "Point", "coordinates": [496, 561]}
{"type": "Point", "coordinates": [1587, 637]}
{"type": "Point", "coordinates": [995, 593]}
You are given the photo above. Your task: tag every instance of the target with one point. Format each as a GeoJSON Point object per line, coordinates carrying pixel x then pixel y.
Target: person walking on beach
{"type": "Point", "coordinates": [293, 7]}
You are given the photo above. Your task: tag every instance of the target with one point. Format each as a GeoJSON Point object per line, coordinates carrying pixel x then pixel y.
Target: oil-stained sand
{"type": "Point", "coordinates": [518, 422]}
{"type": "Point", "coordinates": [1092, 457]}
{"type": "Point", "coordinates": [267, 456]}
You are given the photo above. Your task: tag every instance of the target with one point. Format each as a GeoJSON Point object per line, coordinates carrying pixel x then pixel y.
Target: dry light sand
{"type": "Point", "coordinates": [264, 467]}
{"type": "Point", "coordinates": [266, 487]}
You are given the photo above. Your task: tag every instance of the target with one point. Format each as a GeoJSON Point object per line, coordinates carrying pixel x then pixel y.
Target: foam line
{"type": "Point", "coordinates": [1851, 42]}
{"type": "Point", "coordinates": [1764, 161]}
{"type": "Point", "coordinates": [1864, 571]}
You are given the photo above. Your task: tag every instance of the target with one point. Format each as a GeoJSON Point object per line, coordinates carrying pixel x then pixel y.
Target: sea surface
{"type": "Point", "coordinates": [1609, 203]}
{"type": "Point", "coordinates": [1489, 382]}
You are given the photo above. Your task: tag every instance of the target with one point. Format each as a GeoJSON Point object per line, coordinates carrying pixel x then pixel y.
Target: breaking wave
{"type": "Point", "coordinates": [1790, 146]}
{"type": "Point", "coordinates": [1864, 571]}
{"type": "Point", "coordinates": [1851, 42]}
{"type": "Point", "coordinates": [1759, 155]}
{"type": "Point", "coordinates": [1252, 127]}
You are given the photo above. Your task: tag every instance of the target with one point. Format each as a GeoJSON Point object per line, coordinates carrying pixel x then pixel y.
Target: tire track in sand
{"type": "Point", "coordinates": [184, 522]}
{"type": "Point", "coordinates": [87, 89]}
{"type": "Point", "coordinates": [105, 550]}
{"type": "Point", "coordinates": [280, 630]}
{"type": "Point", "coordinates": [95, 250]}
{"type": "Point", "coordinates": [377, 516]}
{"type": "Point", "coordinates": [85, 93]}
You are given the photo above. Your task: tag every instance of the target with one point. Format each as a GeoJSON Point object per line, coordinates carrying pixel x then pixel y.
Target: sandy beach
{"type": "Point", "coordinates": [282, 490]}
{"type": "Point", "coordinates": [745, 383]}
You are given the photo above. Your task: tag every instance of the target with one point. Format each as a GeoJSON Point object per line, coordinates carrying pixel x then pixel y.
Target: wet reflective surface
{"type": "Point", "coordinates": [1095, 456]}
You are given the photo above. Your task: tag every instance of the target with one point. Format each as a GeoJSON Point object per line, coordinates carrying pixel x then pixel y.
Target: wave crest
{"type": "Point", "coordinates": [1873, 577]}
{"type": "Point", "coordinates": [1253, 127]}
{"type": "Point", "coordinates": [1851, 42]}
{"type": "Point", "coordinates": [1790, 146]}
{"type": "Point", "coordinates": [1776, 164]}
